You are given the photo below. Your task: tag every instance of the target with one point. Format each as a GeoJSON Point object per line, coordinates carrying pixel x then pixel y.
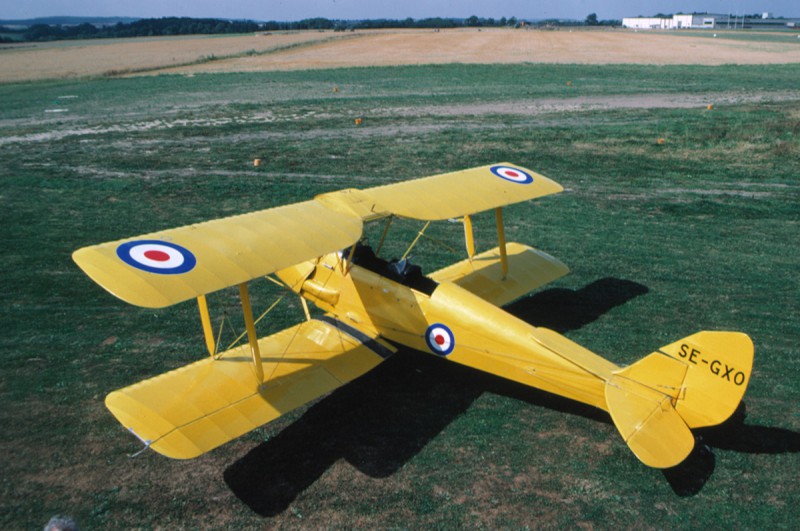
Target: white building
{"type": "Point", "coordinates": [679, 21]}
{"type": "Point", "coordinates": [708, 21]}
{"type": "Point", "coordinates": [646, 23]}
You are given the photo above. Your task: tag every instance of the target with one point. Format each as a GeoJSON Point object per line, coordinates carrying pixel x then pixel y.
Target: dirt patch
{"type": "Point", "coordinates": [539, 106]}
{"type": "Point", "coordinates": [529, 108]}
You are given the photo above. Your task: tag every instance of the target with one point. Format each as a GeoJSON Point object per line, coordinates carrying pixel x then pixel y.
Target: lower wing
{"type": "Point", "coordinates": [192, 410]}
{"type": "Point", "coordinates": [528, 269]}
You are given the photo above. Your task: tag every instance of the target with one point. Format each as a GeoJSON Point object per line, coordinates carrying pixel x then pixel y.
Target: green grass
{"type": "Point", "coordinates": [779, 35]}
{"type": "Point", "coordinates": [663, 239]}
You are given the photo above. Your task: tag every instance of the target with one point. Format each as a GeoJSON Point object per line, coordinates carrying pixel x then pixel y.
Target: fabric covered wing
{"type": "Point", "coordinates": [445, 196]}
{"type": "Point", "coordinates": [528, 269]}
{"type": "Point", "coordinates": [191, 410]}
{"type": "Point", "coordinates": [456, 194]}
{"type": "Point", "coordinates": [167, 267]}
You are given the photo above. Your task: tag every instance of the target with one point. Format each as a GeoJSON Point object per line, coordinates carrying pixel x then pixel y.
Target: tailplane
{"type": "Point", "coordinates": [695, 382]}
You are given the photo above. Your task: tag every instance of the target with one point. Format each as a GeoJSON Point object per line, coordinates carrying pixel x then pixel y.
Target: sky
{"type": "Point", "coordinates": [286, 10]}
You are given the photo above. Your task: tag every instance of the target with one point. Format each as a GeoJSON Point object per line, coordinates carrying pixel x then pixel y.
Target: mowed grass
{"type": "Point", "coordinates": [784, 35]}
{"type": "Point", "coordinates": [673, 220]}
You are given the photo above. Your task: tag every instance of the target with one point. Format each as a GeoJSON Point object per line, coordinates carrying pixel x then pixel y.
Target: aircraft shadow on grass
{"type": "Point", "coordinates": [688, 478]}
{"type": "Point", "coordinates": [380, 421]}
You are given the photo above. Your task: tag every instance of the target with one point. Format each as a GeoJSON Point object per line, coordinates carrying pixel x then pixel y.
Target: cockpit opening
{"type": "Point", "coordinates": [399, 270]}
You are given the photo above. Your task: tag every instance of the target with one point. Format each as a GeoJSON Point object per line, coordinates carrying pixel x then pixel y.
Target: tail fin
{"type": "Point", "coordinates": [695, 382]}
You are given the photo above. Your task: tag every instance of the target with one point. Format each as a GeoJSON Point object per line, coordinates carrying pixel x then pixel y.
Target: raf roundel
{"type": "Point", "coordinates": [515, 175]}
{"type": "Point", "coordinates": [156, 256]}
{"type": "Point", "coordinates": [440, 339]}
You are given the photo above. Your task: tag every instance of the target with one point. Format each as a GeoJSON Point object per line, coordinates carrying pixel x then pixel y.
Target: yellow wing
{"type": "Point", "coordinates": [196, 408]}
{"type": "Point", "coordinates": [528, 270]}
{"type": "Point", "coordinates": [167, 267]}
{"type": "Point", "coordinates": [164, 268]}
{"type": "Point", "coordinates": [446, 196]}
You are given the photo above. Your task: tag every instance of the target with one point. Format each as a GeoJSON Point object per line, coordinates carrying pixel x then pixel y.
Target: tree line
{"type": "Point", "coordinates": [153, 27]}
{"type": "Point", "coordinates": [148, 27]}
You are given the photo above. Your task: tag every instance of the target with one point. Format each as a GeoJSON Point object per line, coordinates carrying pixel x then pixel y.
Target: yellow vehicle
{"type": "Point", "coordinates": [371, 305]}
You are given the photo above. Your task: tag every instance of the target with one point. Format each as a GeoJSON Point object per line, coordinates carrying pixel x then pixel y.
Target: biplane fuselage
{"type": "Point", "coordinates": [449, 321]}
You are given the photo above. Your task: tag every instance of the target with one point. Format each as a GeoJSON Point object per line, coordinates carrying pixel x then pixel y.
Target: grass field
{"type": "Point", "coordinates": [779, 35]}
{"type": "Point", "coordinates": [675, 218]}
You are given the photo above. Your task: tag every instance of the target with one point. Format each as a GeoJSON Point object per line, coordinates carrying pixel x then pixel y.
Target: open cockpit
{"type": "Point", "coordinates": [399, 270]}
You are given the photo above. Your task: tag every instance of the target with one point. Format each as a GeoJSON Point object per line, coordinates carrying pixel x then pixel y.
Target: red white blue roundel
{"type": "Point", "coordinates": [157, 256]}
{"type": "Point", "coordinates": [440, 339]}
{"type": "Point", "coordinates": [515, 175]}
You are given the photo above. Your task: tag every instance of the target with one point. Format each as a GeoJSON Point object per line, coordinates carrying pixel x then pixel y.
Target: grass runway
{"type": "Point", "coordinates": [677, 217]}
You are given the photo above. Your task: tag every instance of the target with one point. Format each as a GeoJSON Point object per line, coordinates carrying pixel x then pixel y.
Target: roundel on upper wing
{"type": "Point", "coordinates": [157, 256]}
{"type": "Point", "coordinates": [440, 339]}
{"type": "Point", "coordinates": [515, 175]}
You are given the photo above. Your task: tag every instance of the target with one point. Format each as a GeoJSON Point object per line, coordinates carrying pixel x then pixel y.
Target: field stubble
{"type": "Point", "coordinates": [284, 51]}
{"type": "Point", "coordinates": [113, 57]}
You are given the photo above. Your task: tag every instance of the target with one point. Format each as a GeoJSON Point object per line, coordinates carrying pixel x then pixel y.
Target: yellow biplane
{"type": "Point", "coordinates": [314, 248]}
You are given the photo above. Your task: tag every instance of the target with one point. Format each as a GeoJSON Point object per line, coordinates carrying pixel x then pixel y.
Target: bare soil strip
{"type": "Point", "coordinates": [528, 107]}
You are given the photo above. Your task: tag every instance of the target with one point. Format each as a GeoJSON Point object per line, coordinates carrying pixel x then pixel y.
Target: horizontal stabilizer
{"type": "Point", "coordinates": [191, 410]}
{"type": "Point", "coordinates": [648, 423]}
{"type": "Point", "coordinates": [528, 269]}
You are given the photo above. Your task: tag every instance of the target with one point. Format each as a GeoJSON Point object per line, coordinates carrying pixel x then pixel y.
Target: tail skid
{"type": "Point", "coordinates": [695, 382]}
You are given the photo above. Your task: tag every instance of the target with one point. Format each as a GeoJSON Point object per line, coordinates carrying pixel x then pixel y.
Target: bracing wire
{"type": "Point", "coordinates": [240, 336]}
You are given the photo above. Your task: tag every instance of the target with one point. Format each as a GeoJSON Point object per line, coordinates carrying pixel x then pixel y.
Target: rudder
{"type": "Point", "coordinates": [718, 371]}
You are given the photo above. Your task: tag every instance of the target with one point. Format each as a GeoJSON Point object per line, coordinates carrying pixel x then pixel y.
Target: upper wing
{"type": "Point", "coordinates": [167, 267]}
{"type": "Point", "coordinates": [446, 196]}
{"type": "Point", "coordinates": [191, 410]}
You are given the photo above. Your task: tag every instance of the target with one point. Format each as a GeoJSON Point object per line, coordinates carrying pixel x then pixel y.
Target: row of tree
{"type": "Point", "coordinates": [192, 26]}
{"type": "Point", "coordinates": [148, 27]}
{"type": "Point", "coordinates": [385, 23]}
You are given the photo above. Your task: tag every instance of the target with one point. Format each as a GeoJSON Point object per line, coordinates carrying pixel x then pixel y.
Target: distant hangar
{"type": "Point", "coordinates": [710, 21]}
